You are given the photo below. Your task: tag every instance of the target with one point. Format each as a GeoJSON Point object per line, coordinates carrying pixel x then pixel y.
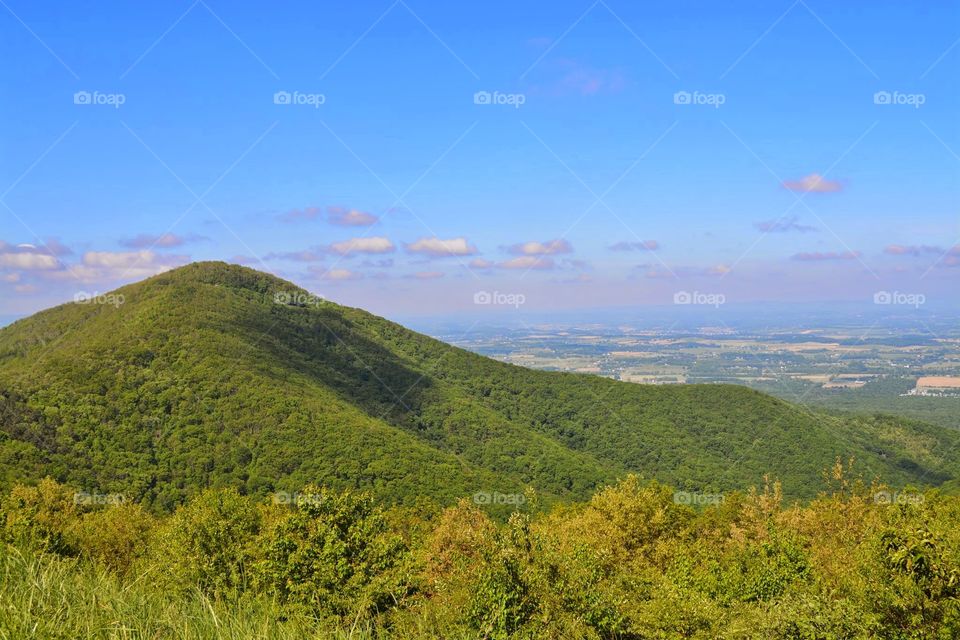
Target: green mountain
{"type": "Point", "coordinates": [218, 375]}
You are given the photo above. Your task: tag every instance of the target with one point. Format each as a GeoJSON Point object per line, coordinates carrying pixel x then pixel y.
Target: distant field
{"type": "Point", "coordinates": [857, 369]}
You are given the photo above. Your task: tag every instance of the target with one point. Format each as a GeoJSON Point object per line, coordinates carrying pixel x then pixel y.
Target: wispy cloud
{"type": "Point", "coordinates": [818, 256]}
{"type": "Point", "coordinates": [660, 272]}
{"type": "Point", "coordinates": [343, 217]}
{"type": "Point", "coordinates": [427, 275]}
{"type": "Point", "coordinates": [912, 250]}
{"type": "Point", "coordinates": [783, 225]}
{"type": "Point", "coordinates": [162, 241]}
{"type": "Point", "coordinates": [643, 245]}
{"type": "Point", "coordinates": [566, 76]}
{"type": "Point", "coordinates": [813, 183]}
{"type": "Point", "coordinates": [307, 255]}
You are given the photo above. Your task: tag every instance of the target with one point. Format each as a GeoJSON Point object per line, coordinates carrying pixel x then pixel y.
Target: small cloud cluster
{"type": "Point", "coordinates": [43, 262]}
{"type": "Point", "coordinates": [27, 257]}
{"type": "Point", "coordinates": [949, 257]}
{"type": "Point", "coordinates": [912, 250]}
{"type": "Point", "coordinates": [338, 216]}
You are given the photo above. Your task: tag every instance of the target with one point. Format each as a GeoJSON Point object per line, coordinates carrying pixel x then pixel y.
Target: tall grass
{"type": "Point", "coordinates": [47, 597]}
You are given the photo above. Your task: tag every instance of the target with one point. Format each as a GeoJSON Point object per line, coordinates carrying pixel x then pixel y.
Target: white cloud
{"type": "Point", "coordinates": [437, 247]}
{"type": "Point", "coordinates": [363, 245]}
{"type": "Point", "coordinates": [28, 261]}
{"type": "Point", "coordinates": [550, 247]}
{"type": "Point", "coordinates": [527, 262]}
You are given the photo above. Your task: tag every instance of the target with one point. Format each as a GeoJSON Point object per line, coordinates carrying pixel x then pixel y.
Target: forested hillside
{"type": "Point", "coordinates": [214, 375]}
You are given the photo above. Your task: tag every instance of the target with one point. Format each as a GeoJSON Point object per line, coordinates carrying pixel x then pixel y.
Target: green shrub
{"type": "Point", "coordinates": [41, 517]}
{"type": "Point", "coordinates": [334, 554]}
{"type": "Point", "coordinates": [209, 543]}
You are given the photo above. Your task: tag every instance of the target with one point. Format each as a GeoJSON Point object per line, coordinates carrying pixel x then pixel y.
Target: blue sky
{"type": "Point", "coordinates": [736, 148]}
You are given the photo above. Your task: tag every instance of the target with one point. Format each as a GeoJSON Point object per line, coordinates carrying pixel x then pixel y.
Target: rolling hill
{"type": "Point", "coordinates": [219, 375]}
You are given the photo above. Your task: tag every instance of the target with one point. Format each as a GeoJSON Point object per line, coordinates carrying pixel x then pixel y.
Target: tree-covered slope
{"type": "Point", "coordinates": [205, 376]}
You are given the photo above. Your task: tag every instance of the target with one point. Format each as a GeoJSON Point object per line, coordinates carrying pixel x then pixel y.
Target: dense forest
{"type": "Point", "coordinates": [215, 375]}
{"type": "Point", "coordinates": [634, 562]}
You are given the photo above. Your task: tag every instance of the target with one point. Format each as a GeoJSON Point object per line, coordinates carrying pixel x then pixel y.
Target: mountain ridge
{"type": "Point", "coordinates": [219, 375]}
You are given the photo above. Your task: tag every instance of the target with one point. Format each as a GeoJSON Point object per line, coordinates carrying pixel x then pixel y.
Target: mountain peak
{"type": "Point", "coordinates": [215, 374]}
